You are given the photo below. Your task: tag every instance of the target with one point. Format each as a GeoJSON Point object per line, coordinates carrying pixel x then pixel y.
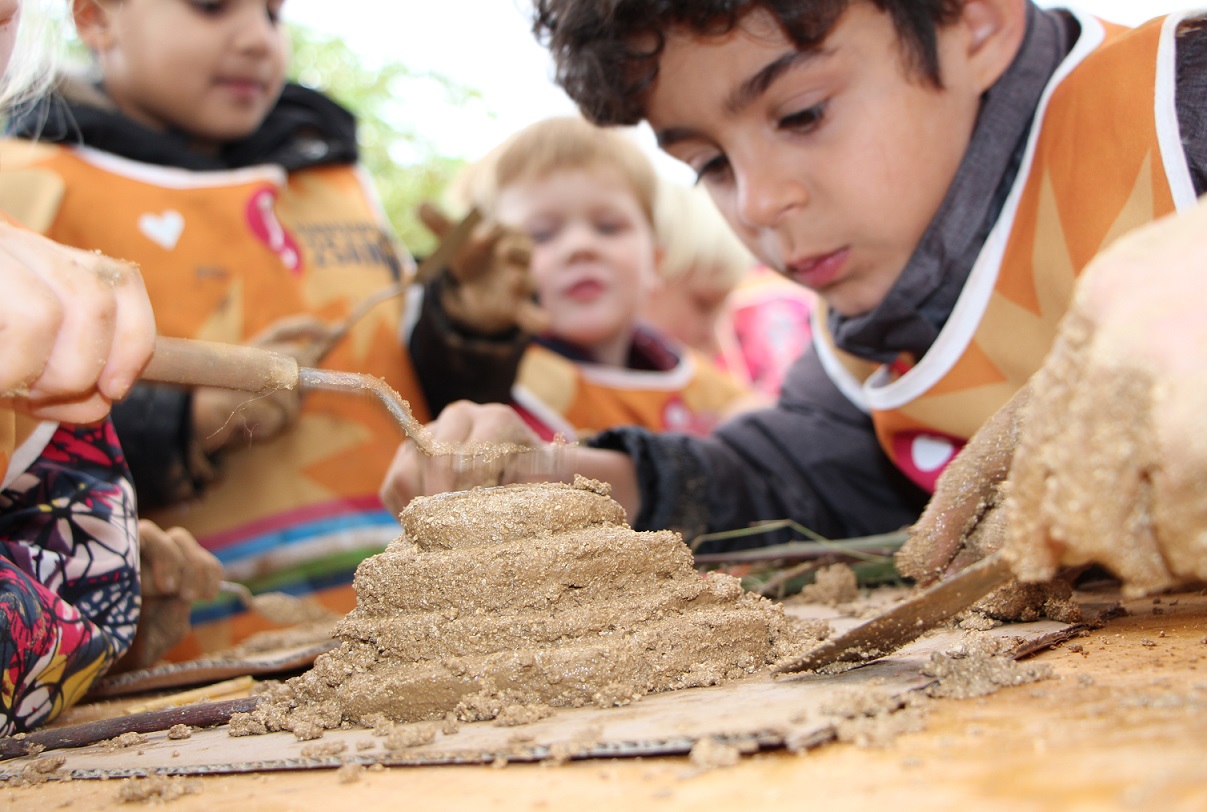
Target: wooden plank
{"type": "Point", "coordinates": [1119, 727]}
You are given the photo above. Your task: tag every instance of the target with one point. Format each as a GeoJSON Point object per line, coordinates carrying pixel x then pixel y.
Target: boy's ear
{"type": "Point", "coordinates": [92, 23]}
{"type": "Point", "coordinates": [993, 32]}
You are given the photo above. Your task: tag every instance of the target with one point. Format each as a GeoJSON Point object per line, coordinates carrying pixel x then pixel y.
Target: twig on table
{"type": "Point", "coordinates": [777, 582]}
{"type": "Point", "coordinates": [865, 548]}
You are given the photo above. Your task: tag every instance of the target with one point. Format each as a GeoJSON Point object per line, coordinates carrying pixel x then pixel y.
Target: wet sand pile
{"type": "Point", "coordinates": [526, 595]}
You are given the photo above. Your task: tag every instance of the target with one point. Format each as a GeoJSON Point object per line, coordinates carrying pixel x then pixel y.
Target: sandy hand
{"type": "Point", "coordinates": [174, 572]}
{"type": "Point", "coordinates": [488, 286]}
{"type": "Point", "coordinates": [76, 327]}
{"type": "Point", "coordinates": [462, 424]}
{"type": "Point", "coordinates": [1105, 448]}
{"type": "Point", "coordinates": [964, 520]}
{"type": "Point", "coordinates": [1113, 456]}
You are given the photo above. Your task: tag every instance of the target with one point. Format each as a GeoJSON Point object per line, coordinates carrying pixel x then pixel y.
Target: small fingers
{"type": "Point", "coordinates": [201, 570]}
{"type": "Point", "coordinates": [86, 410]}
{"type": "Point", "coordinates": [966, 491]}
{"type": "Point", "coordinates": [72, 318]}
{"type": "Point", "coordinates": [133, 337]}
{"type": "Point", "coordinates": [433, 219]}
{"type": "Point", "coordinates": [163, 562]}
{"type": "Point", "coordinates": [403, 481]}
{"type": "Point", "coordinates": [30, 317]}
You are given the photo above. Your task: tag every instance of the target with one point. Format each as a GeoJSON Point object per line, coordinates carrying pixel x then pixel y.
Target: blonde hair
{"type": "Point", "coordinates": [555, 145]}
{"type": "Point", "coordinates": [37, 52]}
{"type": "Point", "coordinates": [696, 241]}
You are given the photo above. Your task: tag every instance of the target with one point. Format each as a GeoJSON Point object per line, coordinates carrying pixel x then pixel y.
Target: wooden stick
{"type": "Point", "coordinates": [208, 693]}
{"type": "Point", "coordinates": [207, 714]}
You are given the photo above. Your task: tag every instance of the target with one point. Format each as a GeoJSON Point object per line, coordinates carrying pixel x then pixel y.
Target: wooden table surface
{"type": "Point", "coordinates": [1122, 725]}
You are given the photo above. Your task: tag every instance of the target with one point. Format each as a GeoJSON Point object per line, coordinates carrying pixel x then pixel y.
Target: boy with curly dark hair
{"type": "Point", "coordinates": [938, 172]}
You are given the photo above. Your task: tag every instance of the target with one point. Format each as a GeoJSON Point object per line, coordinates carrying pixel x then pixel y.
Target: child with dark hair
{"type": "Point", "coordinates": [938, 172]}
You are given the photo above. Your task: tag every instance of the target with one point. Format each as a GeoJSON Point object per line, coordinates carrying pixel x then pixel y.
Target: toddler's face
{"type": "Point", "coordinates": [593, 255]}
{"type": "Point", "coordinates": [687, 308]}
{"type": "Point", "coordinates": [828, 165]}
{"type": "Point", "coordinates": [211, 68]}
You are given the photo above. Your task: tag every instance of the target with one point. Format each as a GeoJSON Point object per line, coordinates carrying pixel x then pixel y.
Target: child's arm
{"type": "Point", "coordinates": [477, 317]}
{"type": "Point", "coordinates": [69, 596]}
{"type": "Point", "coordinates": [813, 459]}
{"type": "Point", "coordinates": [412, 474]}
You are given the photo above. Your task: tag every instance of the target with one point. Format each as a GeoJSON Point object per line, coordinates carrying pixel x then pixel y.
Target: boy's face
{"type": "Point", "coordinates": [210, 68]}
{"type": "Point", "coordinates": [593, 257]}
{"type": "Point", "coordinates": [828, 165]}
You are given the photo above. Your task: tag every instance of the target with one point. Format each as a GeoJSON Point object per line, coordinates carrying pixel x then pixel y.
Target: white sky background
{"type": "Point", "coordinates": [487, 45]}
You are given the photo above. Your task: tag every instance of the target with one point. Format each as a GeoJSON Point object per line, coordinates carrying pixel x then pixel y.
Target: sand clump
{"type": "Point", "coordinates": [156, 789]}
{"type": "Point", "coordinates": [525, 596]}
{"type": "Point", "coordinates": [835, 585]}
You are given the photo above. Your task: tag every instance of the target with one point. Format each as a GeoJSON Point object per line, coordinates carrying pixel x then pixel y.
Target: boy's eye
{"type": "Point", "coordinates": [805, 120]}
{"type": "Point", "coordinates": [208, 7]}
{"type": "Point", "coordinates": [713, 169]}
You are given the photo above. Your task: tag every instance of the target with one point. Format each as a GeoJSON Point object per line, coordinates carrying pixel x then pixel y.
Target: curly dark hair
{"type": "Point", "coordinates": [607, 51]}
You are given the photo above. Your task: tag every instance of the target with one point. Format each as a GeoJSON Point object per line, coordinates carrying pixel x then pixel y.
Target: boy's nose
{"type": "Point", "coordinates": [766, 193]}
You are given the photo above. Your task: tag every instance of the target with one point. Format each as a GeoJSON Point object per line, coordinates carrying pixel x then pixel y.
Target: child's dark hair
{"type": "Point", "coordinates": [607, 51]}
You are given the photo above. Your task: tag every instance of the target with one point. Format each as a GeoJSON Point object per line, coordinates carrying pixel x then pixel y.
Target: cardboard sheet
{"type": "Point", "coordinates": [757, 713]}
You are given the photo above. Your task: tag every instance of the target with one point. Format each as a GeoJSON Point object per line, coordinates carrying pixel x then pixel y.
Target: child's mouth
{"type": "Point", "coordinates": [242, 88]}
{"type": "Point", "coordinates": [585, 290]}
{"type": "Point", "coordinates": [818, 271]}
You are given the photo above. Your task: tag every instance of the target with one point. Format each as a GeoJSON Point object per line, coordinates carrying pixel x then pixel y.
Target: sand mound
{"type": "Point", "coordinates": [525, 595]}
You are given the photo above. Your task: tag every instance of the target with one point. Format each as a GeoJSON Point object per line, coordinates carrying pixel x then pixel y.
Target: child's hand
{"type": "Point", "coordinates": [488, 287]}
{"type": "Point", "coordinates": [962, 522]}
{"type": "Point", "coordinates": [413, 473]}
{"type": "Point", "coordinates": [1111, 463]}
{"type": "Point", "coordinates": [224, 416]}
{"type": "Point", "coordinates": [174, 572]}
{"type": "Point", "coordinates": [76, 328]}
{"type": "Point", "coordinates": [174, 565]}
{"type": "Point", "coordinates": [1105, 449]}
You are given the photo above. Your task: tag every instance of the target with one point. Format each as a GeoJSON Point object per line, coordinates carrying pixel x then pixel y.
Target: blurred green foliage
{"type": "Point", "coordinates": [407, 166]}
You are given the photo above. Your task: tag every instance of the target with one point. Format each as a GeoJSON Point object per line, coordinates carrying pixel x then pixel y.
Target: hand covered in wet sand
{"type": "Point", "coordinates": [1106, 448]}
{"type": "Point", "coordinates": [1112, 460]}
{"type": "Point", "coordinates": [471, 425]}
{"type": "Point", "coordinates": [414, 473]}
{"type": "Point", "coordinates": [174, 572]}
{"type": "Point", "coordinates": [76, 328]}
{"type": "Point", "coordinates": [488, 286]}
{"type": "Point", "coordinates": [964, 522]}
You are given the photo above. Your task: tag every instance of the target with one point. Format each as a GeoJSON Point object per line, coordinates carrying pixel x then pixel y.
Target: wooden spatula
{"type": "Point", "coordinates": [190, 362]}
{"type": "Point", "coordinates": [905, 622]}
